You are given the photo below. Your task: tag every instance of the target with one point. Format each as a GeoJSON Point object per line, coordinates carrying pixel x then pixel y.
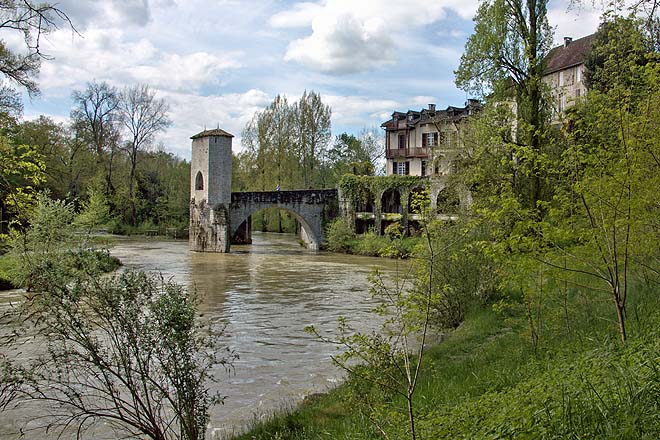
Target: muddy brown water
{"type": "Point", "coordinates": [264, 294]}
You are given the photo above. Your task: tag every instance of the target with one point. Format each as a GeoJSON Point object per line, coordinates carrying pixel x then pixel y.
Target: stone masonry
{"type": "Point", "coordinates": [217, 215]}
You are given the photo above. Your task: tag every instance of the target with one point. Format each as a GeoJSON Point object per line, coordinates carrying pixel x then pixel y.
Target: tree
{"type": "Point", "coordinates": [313, 125]}
{"type": "Point", "coordinates": [143, 115]}
{"type": "Point", "coordinates": [124, 350]}
{"type": "Point", "coordinates": [96, 115]}
{"type": "Point", "coordinates": [618, 41]}
{"type": "Point", "coordinates": [32, 20]}
{"type": "Point", "coordinates": [66, 162]}
{"type": "Point", "coordinates": [606, 219]}
{"type": "Point", "coordinates": [511, 41]}
{"type": "Point", "coordinates": [21, 172]}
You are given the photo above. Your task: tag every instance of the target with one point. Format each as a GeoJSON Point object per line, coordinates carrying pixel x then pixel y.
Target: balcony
{"type": "Point", "coordinates": [393, 153]}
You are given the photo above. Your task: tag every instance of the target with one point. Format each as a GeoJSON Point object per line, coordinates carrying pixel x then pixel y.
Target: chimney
{"type": "Point", "coordinates": [431, 107]}
{"type": "Point", "coordinates": [567, 41]}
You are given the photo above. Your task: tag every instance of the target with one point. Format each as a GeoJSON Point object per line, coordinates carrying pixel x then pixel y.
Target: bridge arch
{"type": "Point", "coordinates": [311, 208]}
{"type": "Point", "coordinates": [309, 236]}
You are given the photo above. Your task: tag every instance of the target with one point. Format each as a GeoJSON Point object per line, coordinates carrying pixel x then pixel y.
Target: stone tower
{"type": "Point", "coordinates": [210, 191]}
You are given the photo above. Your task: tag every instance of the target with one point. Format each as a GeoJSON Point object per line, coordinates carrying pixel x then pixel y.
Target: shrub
{"type": "Point", "coordinates": [339, 236]}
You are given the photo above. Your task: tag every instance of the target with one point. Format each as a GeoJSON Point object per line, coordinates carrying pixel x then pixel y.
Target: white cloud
{"type": "Point", "coordinates": [423, 101]}
{"type": "Point", "coordinates": [192, 114]}
{"type": "Point", "coordinates": [301, 15]}
{"type": "Point", "coordinates": [359, 110]}
{"type": "Point", "coordinates": [575, 22]}
{"type": "Point", "coordinates": [104, 54]}
{"type": "Point", "coordinates": [349, 36]}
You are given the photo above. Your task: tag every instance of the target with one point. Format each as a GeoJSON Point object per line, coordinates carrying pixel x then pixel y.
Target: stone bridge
{"type": "Point", "coordinates": [311, 208]}
{"type": "Point", "coordinates": [219, 217]}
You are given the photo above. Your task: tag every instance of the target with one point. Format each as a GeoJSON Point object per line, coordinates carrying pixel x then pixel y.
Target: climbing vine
{"type": "Point", "coordinates": [358, 188]}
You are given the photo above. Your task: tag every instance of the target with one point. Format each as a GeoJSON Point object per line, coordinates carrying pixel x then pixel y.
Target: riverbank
{"type": "Point", "coordinates": [106, 262]}
{"type": "Point", "coordinates": [488, 380]}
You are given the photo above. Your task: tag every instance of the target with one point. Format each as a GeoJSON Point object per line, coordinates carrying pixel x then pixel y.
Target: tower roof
{"type": "Point", "coordinates": [214, 132]}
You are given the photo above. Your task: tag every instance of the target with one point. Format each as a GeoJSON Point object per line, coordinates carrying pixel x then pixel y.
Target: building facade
{"type": "Point", "coordinates": [425, 142]}
{"type": "Point", "coordinates": [564, 72]}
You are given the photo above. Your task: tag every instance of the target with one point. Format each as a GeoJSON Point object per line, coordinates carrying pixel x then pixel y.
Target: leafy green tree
{"type": "Point", "coordinates": [21, 173]}
{"type": "Point", "coordinates": [68, 164]}
{"type": "Point", "coordinates": [346, 150]}
{"type": "Point", "coordinates": [505, 55]}
{"type": "Point", "coordinates": [619, 41]}
{"type": "Point", "coordinates": [313, 127]}
{"type": "Point", "coordinates": [608, 214]}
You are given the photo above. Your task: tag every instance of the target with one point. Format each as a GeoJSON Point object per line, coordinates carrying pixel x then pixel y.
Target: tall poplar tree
{"type": "Point", "coordinates": [504, 58]}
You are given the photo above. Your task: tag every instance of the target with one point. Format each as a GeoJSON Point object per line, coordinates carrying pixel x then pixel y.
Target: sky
{"type": "Point", "coordinates": [218, 62]}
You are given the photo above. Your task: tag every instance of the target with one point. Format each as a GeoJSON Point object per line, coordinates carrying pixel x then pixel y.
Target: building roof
{"type": "Point", "coordinates": [565, 56]}
{"type": "Point", "coordinates": [414, 117]}
{"type": "Point", "coordinates": [214, 132]}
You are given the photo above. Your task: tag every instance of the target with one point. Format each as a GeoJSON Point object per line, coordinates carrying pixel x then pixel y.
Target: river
{"type": "Point", "coordinates": [265, 294]}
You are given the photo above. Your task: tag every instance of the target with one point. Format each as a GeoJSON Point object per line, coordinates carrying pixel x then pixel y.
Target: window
{"type": "Point", "coordinates": [402, 168]}
{"type": "Point", "coordinates": [429, 139]}
{"type": "Point", "coordinates": [577, 93]}
{"type": "Point", "coordinates": [402, 141]}
{"type": "Point", "coordinates": [199, 181]}
{"type": "Point", "coordinates": [561, 78]}
{"type": "Point", "coordinates": [423, 168]}
{"type": "Point", "coordinates": [578, 73]}
{"type": "Point", "coordinates": [449, 138]}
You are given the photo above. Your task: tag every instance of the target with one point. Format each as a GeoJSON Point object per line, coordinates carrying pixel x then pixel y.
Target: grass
{"type": "Point", "coordinates": [486, 380]}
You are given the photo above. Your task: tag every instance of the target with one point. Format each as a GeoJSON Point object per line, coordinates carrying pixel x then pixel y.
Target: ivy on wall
{"type": "Point", "coordinates": [358, 189]}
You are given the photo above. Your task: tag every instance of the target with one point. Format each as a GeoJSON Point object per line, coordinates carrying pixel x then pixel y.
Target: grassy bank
{"type": "Point", "coordinates": [487, 380]}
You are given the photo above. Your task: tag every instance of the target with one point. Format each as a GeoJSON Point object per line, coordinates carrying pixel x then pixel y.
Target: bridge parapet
{"type": "Point", "coordinates": [306, 196]}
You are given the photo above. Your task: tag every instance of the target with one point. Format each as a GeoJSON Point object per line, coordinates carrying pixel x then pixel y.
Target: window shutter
{"type": "Point", "coordinates": [435, 138]}
{"type": "Point", "coordinates": [424, 137]}
{"type": "Point", "coordinates": [394, 168]}
{"type": "Point", "coordinates": [407, 168]}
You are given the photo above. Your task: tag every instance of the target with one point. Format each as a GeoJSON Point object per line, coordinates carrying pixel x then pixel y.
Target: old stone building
{"type": "Point", "coordinates": [425, 142]}
{"type": "Point", "coordinates": [564, 72]}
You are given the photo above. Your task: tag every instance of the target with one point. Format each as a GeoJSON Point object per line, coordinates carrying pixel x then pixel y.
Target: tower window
{"type": "Point", "coordinates": [199, 181]}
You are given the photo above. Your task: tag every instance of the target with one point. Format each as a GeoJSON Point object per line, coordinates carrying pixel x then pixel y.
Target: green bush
{"type": "Point", "coordinates": [370, 244]}
{"type": "Point", "coordinates": [339, 236]}
{"type": "Point", "coordinates": [395, 230]}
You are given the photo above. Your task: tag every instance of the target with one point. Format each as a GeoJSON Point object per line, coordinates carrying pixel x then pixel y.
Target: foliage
{"type": "Point", "coordinates": [389, 359]}
{"type": "Point", "coordinates": [506, 55]}
{"type": "Point", "coordinates": [21, 172]}
{"type": "Point", "coordinates": [464, 275]}
{"type": "Point", "coordinates": [125, 350]}
{"type": "Point", "coordinates": [358, 189]}
{"type": "Point", "coordinates": [284, 147]}
{"type": "Point", "coordinates": [619, 44]}
{"type": "Point", "coordinates": [339, 236]}
{"type": "Point", "coordinates": [350, 154]}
